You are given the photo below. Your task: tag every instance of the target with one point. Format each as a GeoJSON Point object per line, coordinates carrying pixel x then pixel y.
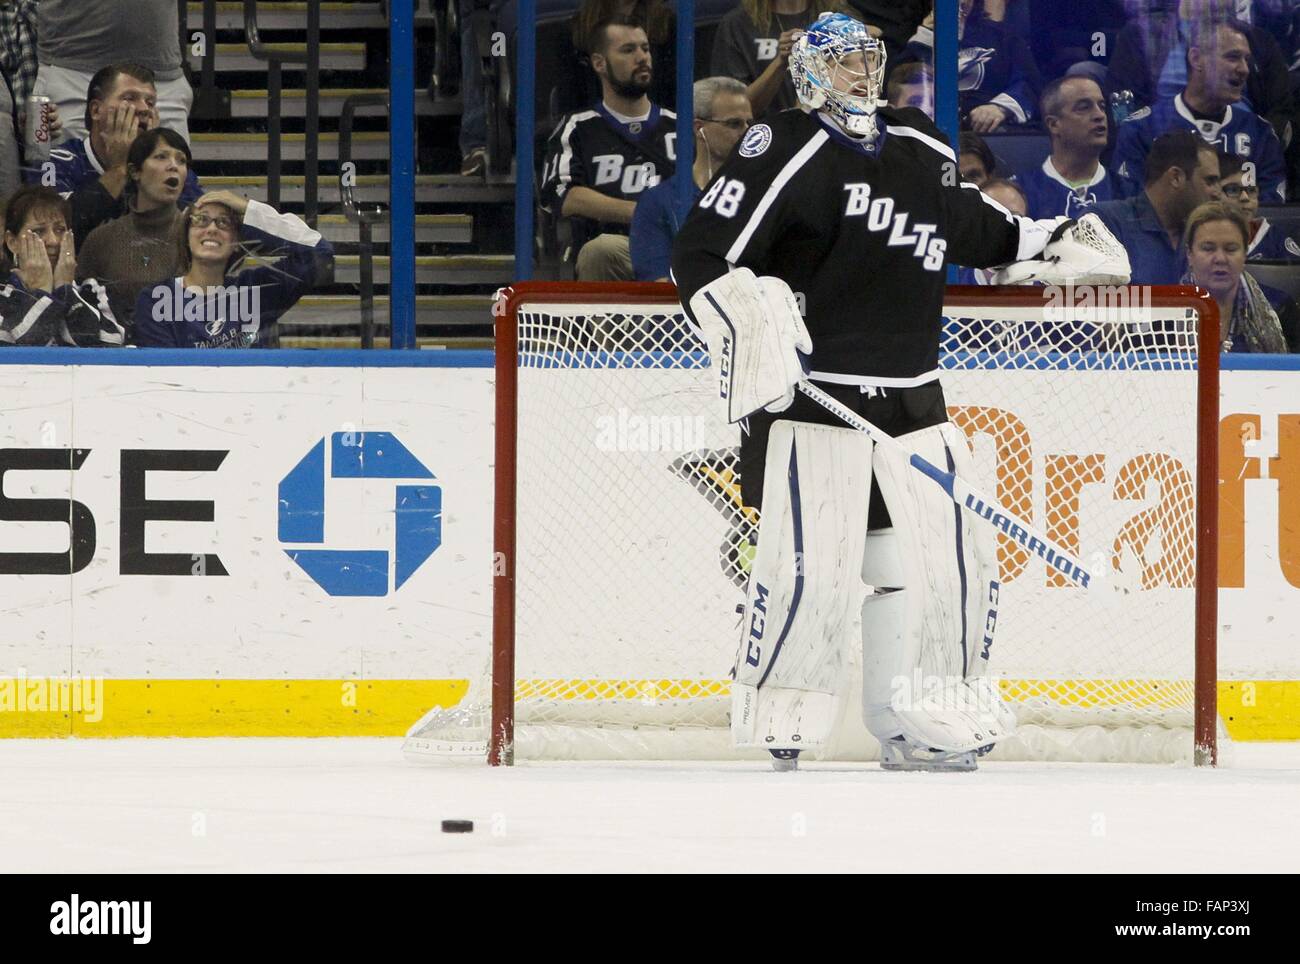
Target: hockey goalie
{"type": "Point", "coordinates": [818, 252]}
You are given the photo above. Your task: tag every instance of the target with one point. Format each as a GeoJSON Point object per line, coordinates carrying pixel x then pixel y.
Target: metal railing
{"type": "Point", "coordinates": [275, 60]}
{"type": "Point", "coordinates": [364, 218]}
{"type": "Point", "coordinates": [210, 101]}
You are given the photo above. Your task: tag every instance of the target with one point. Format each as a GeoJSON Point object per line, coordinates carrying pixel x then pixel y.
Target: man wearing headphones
{"type": "Point", "coordinates": [722, 115]}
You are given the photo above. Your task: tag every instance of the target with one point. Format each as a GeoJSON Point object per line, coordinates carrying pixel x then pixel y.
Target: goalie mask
{"type": "Point", "coordinates": [839, 68]}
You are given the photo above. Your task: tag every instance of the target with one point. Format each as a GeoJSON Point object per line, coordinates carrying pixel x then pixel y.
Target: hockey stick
{"type": "Point", "coordinates": [1008, 523]}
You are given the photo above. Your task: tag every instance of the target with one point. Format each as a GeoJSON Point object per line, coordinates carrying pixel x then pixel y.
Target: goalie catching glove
{"type": "Point", "coordinates": [755, 335]}
{"type": "Point", "coordinates": [1078, 252]}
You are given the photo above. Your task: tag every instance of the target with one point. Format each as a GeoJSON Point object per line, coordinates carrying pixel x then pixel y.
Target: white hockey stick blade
{"type": "Point", "coordinates": [984, 507]}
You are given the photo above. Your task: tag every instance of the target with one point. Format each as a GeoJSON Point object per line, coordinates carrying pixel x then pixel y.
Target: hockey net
{"type": "Point", "coordinates": [623, 545]}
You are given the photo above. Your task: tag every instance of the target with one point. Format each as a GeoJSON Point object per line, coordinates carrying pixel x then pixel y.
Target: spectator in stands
{"type": "Point", "coordinates": [120, 107]}
{"type": "Point", "coordinates": [1218, 59]}
{"type": "Point", "coordinates": [1267, 241]}
{"type": "Point", "coordinates": [722, 116]}
{"type": "Point", "coordinates": [473, 118]}
{"type": "Point", "coordinates": [1007, 193]}
{"type": "Point", "coordinates": [912, 85]}
{"type": "Point", "coordinates": [137, 248]}
{"type": "Point", "coordinates": [1182, 173]}
{"type": "Point", "coordinates": [77, 37]}
{"type": "Point", "coordinates": [997, 79]}
{"type": "Point", "coordinates": [1216, 239]}
{"type": "Point", "coordinates": [17, 78]}
{"type": "Point", "coordinates": [1071, 179]}
{"type": "Point", "coordinates": [1010, 196]}
{"type": "Point", "coordinates": [1150, 60]}
{"type": "Point", "coordinates": [975, 159]}
{"type": "Point", "coordinates": [42, 303]}
{"type": "Point", "coordinates": [10, 141]}
{"type": "Point", "coordinates": [656, 16]}
{"type": "Point", "coordinates": [207, 306]}
{"type": "Point", "coordinates": [600, 161]}
{"type": "Point", "coordinates": [893, 21]}
{"type": "Point", "coordinates": [753, 45]}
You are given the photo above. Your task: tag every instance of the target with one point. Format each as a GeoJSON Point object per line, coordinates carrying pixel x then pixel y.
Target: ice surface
{"type": "Point", "coordinates": [355, 805]}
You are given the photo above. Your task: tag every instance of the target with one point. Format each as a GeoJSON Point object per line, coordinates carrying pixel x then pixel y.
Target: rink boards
{"type": "Point", "coordinates": [305, 547]}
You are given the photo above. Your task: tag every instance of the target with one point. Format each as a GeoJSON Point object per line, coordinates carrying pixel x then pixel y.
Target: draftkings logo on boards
{"type": "Point", "coordinates": [77, 917]}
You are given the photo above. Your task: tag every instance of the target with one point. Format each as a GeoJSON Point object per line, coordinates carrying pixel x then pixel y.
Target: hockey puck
{"type": "Point", "coordinates": [458, 826]}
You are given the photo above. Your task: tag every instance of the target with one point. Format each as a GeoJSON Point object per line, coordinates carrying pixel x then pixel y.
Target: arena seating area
{"type": "Point", "coordinates": [248, 138]}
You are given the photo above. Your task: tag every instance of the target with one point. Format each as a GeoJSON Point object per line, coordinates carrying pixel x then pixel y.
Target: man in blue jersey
{"type": "Point", "coordinates": [1218, 67]}
{"type": "Point", "coordinates": [121, 104]}
{"type": "Point", "coordinates": [1071, 180]}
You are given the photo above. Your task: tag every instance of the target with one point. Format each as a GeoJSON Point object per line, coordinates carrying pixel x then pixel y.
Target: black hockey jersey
{"type": "Point", "coordinates": [595, 149]}
{"type": "Point", "coordinates": [862, 234]}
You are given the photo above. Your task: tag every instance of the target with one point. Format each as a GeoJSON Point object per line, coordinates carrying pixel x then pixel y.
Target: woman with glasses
{"type": "Point", "coordinates": [1240, 189]}
{"type": "Point", "coordinates": [41, 303]}
{"type": "Point", "coordinates": [211, 305]}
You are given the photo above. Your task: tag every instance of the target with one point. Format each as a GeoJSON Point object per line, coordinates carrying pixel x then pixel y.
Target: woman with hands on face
{"type": "Point", "coordinates": [42, 303]}
{"type": "Point", "coordinates": [210, 305]}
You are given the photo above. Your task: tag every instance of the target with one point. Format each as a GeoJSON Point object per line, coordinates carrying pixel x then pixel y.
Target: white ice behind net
{"type": "Point", "coordinates": [633, 546]}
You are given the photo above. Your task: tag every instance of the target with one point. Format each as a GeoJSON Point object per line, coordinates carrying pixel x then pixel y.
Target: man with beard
{"type": "Point", "coordinates": [1218, 68]}
{"type": "Point", "coordinates": [600, 161]}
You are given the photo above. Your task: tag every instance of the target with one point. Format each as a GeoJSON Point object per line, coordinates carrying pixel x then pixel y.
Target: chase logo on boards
{"type": "Point", "coordinates": [417, 506]}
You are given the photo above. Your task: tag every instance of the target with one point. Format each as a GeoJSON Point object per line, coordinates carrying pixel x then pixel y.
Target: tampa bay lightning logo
{"type": "Point", "coordinates": [970, 66]}
{"type": "Point", "coordinates": [756, 141]}
{"type": "Point", "coordinates": [360, 455]}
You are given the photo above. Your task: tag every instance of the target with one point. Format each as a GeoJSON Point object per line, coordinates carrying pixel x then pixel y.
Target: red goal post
{"type": "Point", "coordinates": [621, 312]}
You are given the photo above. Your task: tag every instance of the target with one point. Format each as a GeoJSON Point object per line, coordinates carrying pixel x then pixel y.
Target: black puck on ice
{"type": "Point", "coordinates": [458, 826]}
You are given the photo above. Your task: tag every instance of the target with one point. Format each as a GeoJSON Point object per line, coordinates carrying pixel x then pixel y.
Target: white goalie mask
{"type": "Point", "coordinates": [839, 68]}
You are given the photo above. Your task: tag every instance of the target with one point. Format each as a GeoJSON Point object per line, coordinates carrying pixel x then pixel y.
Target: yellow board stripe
{"type": "Point", "coordinates": [1250, 709]}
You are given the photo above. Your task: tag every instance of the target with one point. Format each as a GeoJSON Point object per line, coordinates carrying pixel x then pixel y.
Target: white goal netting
{"type": "Point", "coordinates": [633, 546]}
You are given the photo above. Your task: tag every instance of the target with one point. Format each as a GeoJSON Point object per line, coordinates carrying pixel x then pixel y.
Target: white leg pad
{"type": "Point", "coordinates": [805, 588]}
{"type": "Point", "coordinates": [927, 643]}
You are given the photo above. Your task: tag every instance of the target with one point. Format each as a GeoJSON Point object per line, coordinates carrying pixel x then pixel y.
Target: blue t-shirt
{"type": "Point", "coordinates": [1134, 223]}
{"type": "Point", "coordinates": [1238, 132]}
{"type": "Point", "coordinates": [655, 222]}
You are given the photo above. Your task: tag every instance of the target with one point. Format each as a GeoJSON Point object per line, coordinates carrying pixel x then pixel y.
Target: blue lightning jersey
{"type": "Point", "coordinates": [1238, 132]}
{"type": "Point", "coordinates": [1271, 243]}
{"type": "Point", "coordinates": [1049, 195]}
